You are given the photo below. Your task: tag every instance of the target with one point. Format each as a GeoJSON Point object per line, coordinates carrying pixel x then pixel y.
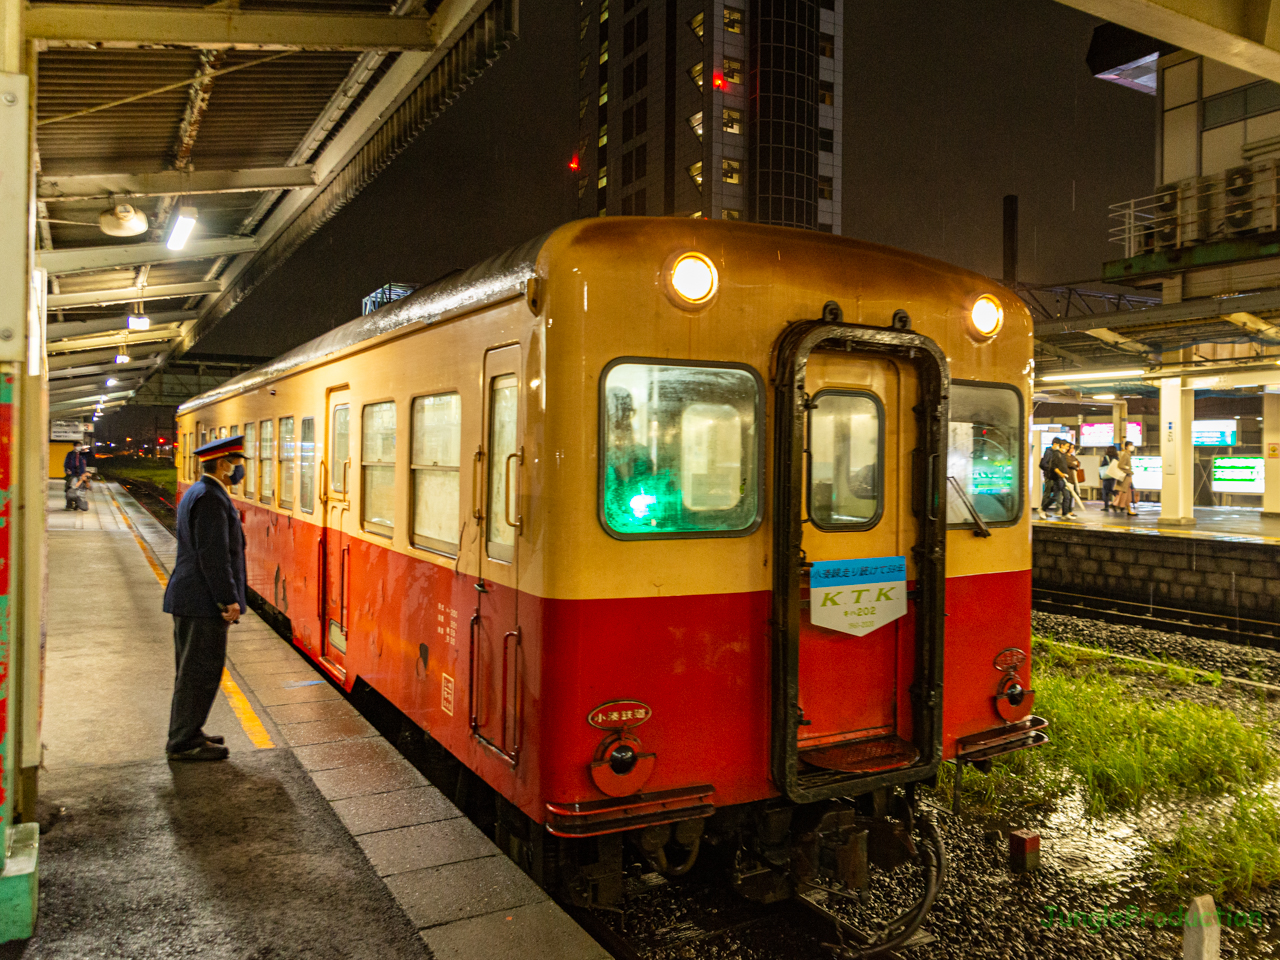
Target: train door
{"type": "Point", "coordinates": [495, 636]}
{"type": "Point", "coordinates": [860, 458]}
{"type": "Point", "coordinates": [335, 550]}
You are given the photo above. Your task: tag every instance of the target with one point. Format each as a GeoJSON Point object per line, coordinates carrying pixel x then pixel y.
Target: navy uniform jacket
{"type": "Point", "coordinates": [209, 569]}
{"type": "Point", "coordinates": [74, 463]}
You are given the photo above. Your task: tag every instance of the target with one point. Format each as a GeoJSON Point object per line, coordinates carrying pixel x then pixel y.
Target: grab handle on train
{"type": "Point", "coordinates": [476, 512]}
{"type": "Point", "coordinates": [518, 457]}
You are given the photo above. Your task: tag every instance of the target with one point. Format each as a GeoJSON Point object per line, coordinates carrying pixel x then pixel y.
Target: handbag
{"type": "Point", "coordinates": [1080, 475]}
{"type": "Point", "coordinates": [1114, 471]}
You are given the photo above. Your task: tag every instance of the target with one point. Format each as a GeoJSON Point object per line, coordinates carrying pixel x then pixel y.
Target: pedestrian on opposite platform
{"type": "Point", "coordinates": [1124, 489]}
{"type": "Point", "coordinates": [1072, 479]}
{"type": "Point", "coordinates": [1108, 483]}
{"type": "Point", "coordinates": [206, 594]}
{"type": "Point", "coordinates": [1053, 466]}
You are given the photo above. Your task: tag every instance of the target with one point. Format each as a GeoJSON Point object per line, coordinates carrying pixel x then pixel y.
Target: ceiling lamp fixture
{"type": "Point", "coordinates": [112, 381]}
{"type": "Point", "coordinates": [1095, 375]}
{"type": "Point", "coordinates": [183, 224]}
{"type": "Point", "coordinates": [122, 356]}
{"type": "Point", "coordinates": [139, 321]}
{"type": "Point", "coordinates": [122, 220]}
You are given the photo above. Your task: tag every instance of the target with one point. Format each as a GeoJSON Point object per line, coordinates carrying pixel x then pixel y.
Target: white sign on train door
{"type": "Point", "coordinates": [857, 596]}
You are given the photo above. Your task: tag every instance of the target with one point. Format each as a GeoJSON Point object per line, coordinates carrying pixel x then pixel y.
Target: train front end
{"type": "Point", "coordinates": [783, 550]}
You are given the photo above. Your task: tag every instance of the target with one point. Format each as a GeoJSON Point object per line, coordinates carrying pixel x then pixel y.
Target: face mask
{"type": "Point", "coordinates": [237, 474]}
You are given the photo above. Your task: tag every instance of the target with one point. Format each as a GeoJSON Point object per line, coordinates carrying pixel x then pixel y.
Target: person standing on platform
{"type": "Point", "coordinates": [1124, 489]}
{"type": "Point", "coordinates": [1108, 483]}
{"type": "Point", "coordinates": [73, 468]}
{"type": "Point", "coordinates": [1053, 466]}
{"type": "Point", "coordinates": [206, 594]}
{"type": "Point", "coordinates": [1072, 480]}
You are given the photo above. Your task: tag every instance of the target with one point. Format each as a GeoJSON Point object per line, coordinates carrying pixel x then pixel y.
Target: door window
{"type": "Point", "coordinates": [340, 448]}
{"type": "Point", "coordinates": [435, 459]}
{"type": "Point", "coordinates": [984, 452]}
{"type": "Point", "coordinates": [307, 475]}
{"type": "Point", "coordinates": [503, 403]}
{"type": "Point", "coordinates": [846, 473]}
{"type": "Point", "coordinates": [680, 452]}
{"type": "Point", "coordinates": [378, 467]}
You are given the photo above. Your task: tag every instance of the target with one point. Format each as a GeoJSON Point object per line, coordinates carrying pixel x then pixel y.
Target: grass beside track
{"type": "Point", "coordinates": [160, 473]}
{"type": "Point", "coordinates": [1124, 750]}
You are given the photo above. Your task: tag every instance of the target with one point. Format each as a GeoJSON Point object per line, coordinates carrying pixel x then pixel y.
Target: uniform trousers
{"type": "Point", "coordinates": [200, 648]}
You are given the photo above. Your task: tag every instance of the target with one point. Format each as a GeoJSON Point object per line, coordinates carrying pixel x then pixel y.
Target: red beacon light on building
{"type": "Point", "coordinates": [573, 163]}
{"type": "Point", "coordinates": [717, 80]}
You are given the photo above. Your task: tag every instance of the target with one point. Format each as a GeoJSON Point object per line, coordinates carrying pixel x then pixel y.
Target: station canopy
{"type": "Point", "coordinates": [258, 120]}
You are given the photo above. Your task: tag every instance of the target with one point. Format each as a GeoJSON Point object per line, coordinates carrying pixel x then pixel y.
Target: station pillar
{"type": "Point", "coordinates": [1119, 419]}
{"type": "Point", "coordinates": [23, 431]}
{"type": "Point", "coordinates": [1271, 454]}
{"type": "Point", "coordinates": [1177, 410]}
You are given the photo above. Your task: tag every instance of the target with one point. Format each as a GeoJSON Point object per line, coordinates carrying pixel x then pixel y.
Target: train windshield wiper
{"type": "Point", "coordinates": [981, 529]}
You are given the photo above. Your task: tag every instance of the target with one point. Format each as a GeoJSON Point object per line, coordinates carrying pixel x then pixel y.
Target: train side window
{"type": "Point", "coordinates": [340, 450]}
{"type": "Point", "coordinates": [287, 451]}
{"type": "Point", "coordinates": [435, 459]}
{"type": "Point", "coordinates": [250, 459]}
{"type": "Point", "coordinates": [680, 449]}
{"type": "Point", "coordinates": [266, 460]}
{"type": "Point", "coordinates": [846, 460]}
{"type": "Point", "coordinates": [222, 433]}
{"type": "Point", "coordinates": [307, 475]}
{"type": "Point", "coordinates": [984, 452]}
{"type": "Point", "coordinates": [378, 467]}
{"type": "Point", "coordinates": [238, 489]}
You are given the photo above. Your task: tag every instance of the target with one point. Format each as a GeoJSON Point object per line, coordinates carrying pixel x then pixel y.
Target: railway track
{"type": "Point", "coordinates": [1225, 627]}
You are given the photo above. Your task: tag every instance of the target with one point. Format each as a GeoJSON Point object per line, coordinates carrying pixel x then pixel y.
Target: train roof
{"type": "Point", "coordinates": [490, 281]}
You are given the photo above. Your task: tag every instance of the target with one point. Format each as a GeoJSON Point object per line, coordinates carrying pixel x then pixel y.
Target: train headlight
{"type": "Point", "coordinates": [694, 278]}
{"type": "Point", "coordinates": [986, 316]}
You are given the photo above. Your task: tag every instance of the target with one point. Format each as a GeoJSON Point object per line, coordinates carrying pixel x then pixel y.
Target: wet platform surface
{"type": "Point", "coordinates": [1241, 524]}
{"type": "Point", "coordinates": [316, 839]}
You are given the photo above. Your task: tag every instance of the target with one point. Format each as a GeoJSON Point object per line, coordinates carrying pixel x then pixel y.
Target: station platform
{"type": "Point", "coordinates": [315, 839]}
{"type": "Point", "coordinates": [1219, 578]}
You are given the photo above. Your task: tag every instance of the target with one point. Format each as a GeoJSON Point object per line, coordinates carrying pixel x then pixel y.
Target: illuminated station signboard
{"type": "Point", "coordinates": [1147, 472]}
{"type": "Point", "coordinates": [1214, 433]}
{"type": "Point", "coordinates": [1103, 434]}
{"type": "Point", "coordinates": [1237, 475]}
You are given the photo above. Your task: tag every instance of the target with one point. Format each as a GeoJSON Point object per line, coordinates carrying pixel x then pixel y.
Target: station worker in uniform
{"type": "Point", "coordinates": [206, 594]}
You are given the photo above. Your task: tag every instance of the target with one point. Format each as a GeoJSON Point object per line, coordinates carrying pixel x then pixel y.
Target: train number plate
{"type": "Point", "coordinates": [857, 596]}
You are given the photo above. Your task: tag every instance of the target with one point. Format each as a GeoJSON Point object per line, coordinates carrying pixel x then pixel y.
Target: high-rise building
{"type": "Point", "coordinates": [701, 108]}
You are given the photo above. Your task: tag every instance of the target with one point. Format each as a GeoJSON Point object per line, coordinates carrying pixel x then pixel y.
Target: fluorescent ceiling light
{"type": "Point", "coordinates": [182, 227]}
{"type": "Point", "coordinates": [122, 358]}
{"type": "Point", "coordinates": [1104, 396]}
{"type": "Point", "coordinates": [1095, 375]}
{"type": "Point", "coordinates": [111, 382]}
{"type": "Point", "coordinates": [139, 322]}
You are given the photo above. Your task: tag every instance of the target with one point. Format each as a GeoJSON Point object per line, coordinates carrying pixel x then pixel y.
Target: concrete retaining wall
{"type": "Point", "coordinates": [1188, 573]}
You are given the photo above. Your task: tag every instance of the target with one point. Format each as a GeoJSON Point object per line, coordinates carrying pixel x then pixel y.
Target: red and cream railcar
{"type": "Point", "coordinates": [651, 521]}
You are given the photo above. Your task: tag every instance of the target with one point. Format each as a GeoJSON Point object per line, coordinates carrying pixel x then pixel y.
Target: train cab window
{"type": "Point", "coordinates": [286, 462]}
{"type": "Point", "coordinates": [984, 452]}
{"type": "Point", "coordinates": [435, 459]}
{"type": "Point", "coordinates": [846, 473]}
{"type": "Point", "coordinates": [266, 460]}
{"type": "Point", "coordinates": [340, 450]}
{"type": "Point", "coordinates": [681, 454]}
{"type": "Point", "coordinates": [307, 475]}
{"type": "Point", "coordinates": [503, 408]}
{"type": "Point", "coordinates": [250, 456]}
{"type": "Point", "coordinates": [378, 467]}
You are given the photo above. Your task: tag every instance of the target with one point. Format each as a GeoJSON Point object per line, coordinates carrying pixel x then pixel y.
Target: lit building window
{"type": "Point", "coordinates": [582, 28]}
{"type": "Point", "coordinates": [604, 94]}
{"type": "Point", "coordinates": [732, 120]}
{"type": "Point", "coordinates": [826, 45]}
{"type": "Point", "coordinates": [602, 179]}
{"type": "Point", "coordinates": [696, 122]}
{"type": "Point", "coordinates": [696, 215]}
{"type": "Point", "coordinates": [582, 107]}
{"type": "Point", "coordinates": [826, 190]}
{"type": "Point", "coordinates": [695, 171]}
{"type": "Point", "coordinates": [604, 10]}
{"type": "Point", "coordinates": [729, 214]}
{"type": "Point", "coordinates": [731, 171]}
{"type": "Point", "coordinates": [696, 25]}
{"type": "Point", "coordinates": [604, 52]}
{"type": "Point", "coordinates": [732, 70]}
{"type": "Point", "coordinates": [695, 72]}
{"type": "Point", "coordinates": [604, 136]}
{"type": "Point", "coordinates": [733, 19]}
{"type": "Point", "coordinates": [582, 68]}
{"type": "Point", "coordinates": [826, 93]}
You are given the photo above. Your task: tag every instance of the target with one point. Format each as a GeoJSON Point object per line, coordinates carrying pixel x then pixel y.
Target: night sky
{"type": "Point", "coordinates": [948, 107]}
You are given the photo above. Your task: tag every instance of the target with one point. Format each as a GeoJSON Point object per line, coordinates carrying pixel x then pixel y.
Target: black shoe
{"type": "Point", "coordinates": [206, 751]}
{"type": "Point", "coordinates": [217, 738]}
